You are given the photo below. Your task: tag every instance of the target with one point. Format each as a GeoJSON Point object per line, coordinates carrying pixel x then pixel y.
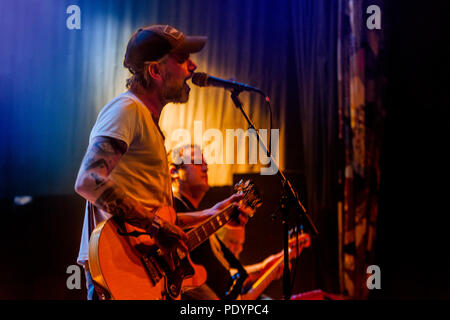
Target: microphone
{"type": "Point", "coordinates": [202, 79]}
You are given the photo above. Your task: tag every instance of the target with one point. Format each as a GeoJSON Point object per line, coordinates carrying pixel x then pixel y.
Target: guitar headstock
{"type": "Point", "coordinates": [252, 197]}
{"type": "Point", "coordinates": [304, 241]}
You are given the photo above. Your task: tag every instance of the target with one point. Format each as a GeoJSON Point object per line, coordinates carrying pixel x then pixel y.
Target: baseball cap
{"type": "Point", "coordinates": [151, 43]}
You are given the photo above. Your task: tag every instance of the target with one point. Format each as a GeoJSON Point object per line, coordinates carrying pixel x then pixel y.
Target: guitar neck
{"type": "Point", "coordinates": [201, 233]}
{"type": "Point", "coordinates": [263, 282]}
{"type": "Point", "coordinates": [268, 276]}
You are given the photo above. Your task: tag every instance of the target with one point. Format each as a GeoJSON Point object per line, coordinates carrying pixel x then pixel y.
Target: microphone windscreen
{"type": "Point", "coordinates": [200, 79]}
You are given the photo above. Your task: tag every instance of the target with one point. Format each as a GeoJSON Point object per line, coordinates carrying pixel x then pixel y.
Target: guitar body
{"type": "Point", "coordinates": [125, 267]}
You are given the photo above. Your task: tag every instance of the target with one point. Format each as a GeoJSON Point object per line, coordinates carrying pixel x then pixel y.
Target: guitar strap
{"type": "Point", "coordinates": [91, 211]}
{"type": "Point", "coordinates": [239, 278]}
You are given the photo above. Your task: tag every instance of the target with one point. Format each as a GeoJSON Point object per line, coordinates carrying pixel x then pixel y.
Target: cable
{"type": "Point", "coordinates": [269, 149]}
{"type": "Point", "coordinates": [296, 257]}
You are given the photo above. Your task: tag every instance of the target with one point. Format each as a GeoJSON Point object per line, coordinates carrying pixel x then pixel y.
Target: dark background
{"type": "Point", "coordinates": [412, 235]}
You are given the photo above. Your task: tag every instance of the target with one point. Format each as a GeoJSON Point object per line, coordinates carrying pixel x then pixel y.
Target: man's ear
{"type": "Point", "coordinates": [173, 172]}
{"type": "Point", "coordinates": [154, 70]}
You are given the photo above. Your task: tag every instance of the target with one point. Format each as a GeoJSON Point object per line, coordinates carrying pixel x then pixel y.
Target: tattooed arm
{"type": "Point", "coordinates": [93, 182]}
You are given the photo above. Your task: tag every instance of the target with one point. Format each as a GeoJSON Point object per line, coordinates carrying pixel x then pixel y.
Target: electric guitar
{"type": "Point", "coordinates": [270, 274]}
{"type": "Point", "coordinates": [126, 264]}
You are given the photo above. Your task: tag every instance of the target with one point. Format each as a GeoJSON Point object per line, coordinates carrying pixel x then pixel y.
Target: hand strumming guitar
{"type": "Point", "coordinates": [168, 237]}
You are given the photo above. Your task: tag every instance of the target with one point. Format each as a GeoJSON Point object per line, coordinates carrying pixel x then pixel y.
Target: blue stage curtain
{"type": "Point", "coordinates": [54, 80]}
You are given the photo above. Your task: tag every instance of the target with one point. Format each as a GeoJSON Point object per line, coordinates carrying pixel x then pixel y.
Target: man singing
{"type": "Point", "coordinates": [125, 172]}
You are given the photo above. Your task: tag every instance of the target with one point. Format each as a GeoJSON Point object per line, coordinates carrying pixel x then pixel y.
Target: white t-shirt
{"type": "Point", "coordinates": [143, 171]}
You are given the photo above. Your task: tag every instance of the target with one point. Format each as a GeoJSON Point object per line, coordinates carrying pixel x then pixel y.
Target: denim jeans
{"type": "Point", "coordinates": [91, 294]}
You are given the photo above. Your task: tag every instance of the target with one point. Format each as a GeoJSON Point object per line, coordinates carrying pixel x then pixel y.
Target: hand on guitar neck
{"type": "Point", "coordinates": [270, 261]}
{"type": "Point", "coordinates": [244, 211]}
{"type": "Point", "coordinates": [255, 271]}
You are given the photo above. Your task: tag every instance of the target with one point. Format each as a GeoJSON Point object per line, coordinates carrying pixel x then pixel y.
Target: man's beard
{"type": "Point", "coordinates": [175, 91]}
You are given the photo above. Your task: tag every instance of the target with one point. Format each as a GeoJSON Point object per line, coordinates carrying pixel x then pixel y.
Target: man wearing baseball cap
{"type": "Point", "coordinates": [154, 46]}
{"type": "Point", "coordinates": [125, 172]}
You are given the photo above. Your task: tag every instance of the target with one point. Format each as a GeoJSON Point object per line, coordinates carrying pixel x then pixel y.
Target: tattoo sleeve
{"type": "Point", "coordinates": [114, 201]}
{"type": "Point", "coordinates": [93, 183]}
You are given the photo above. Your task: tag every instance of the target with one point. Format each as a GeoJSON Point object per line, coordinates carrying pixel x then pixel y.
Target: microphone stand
{"type": "Point", "coordinates": [288, 197]}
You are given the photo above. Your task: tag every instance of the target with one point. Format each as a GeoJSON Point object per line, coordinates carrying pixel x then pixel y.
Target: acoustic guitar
{"type": "Point", "coordinates": [126, 264]}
